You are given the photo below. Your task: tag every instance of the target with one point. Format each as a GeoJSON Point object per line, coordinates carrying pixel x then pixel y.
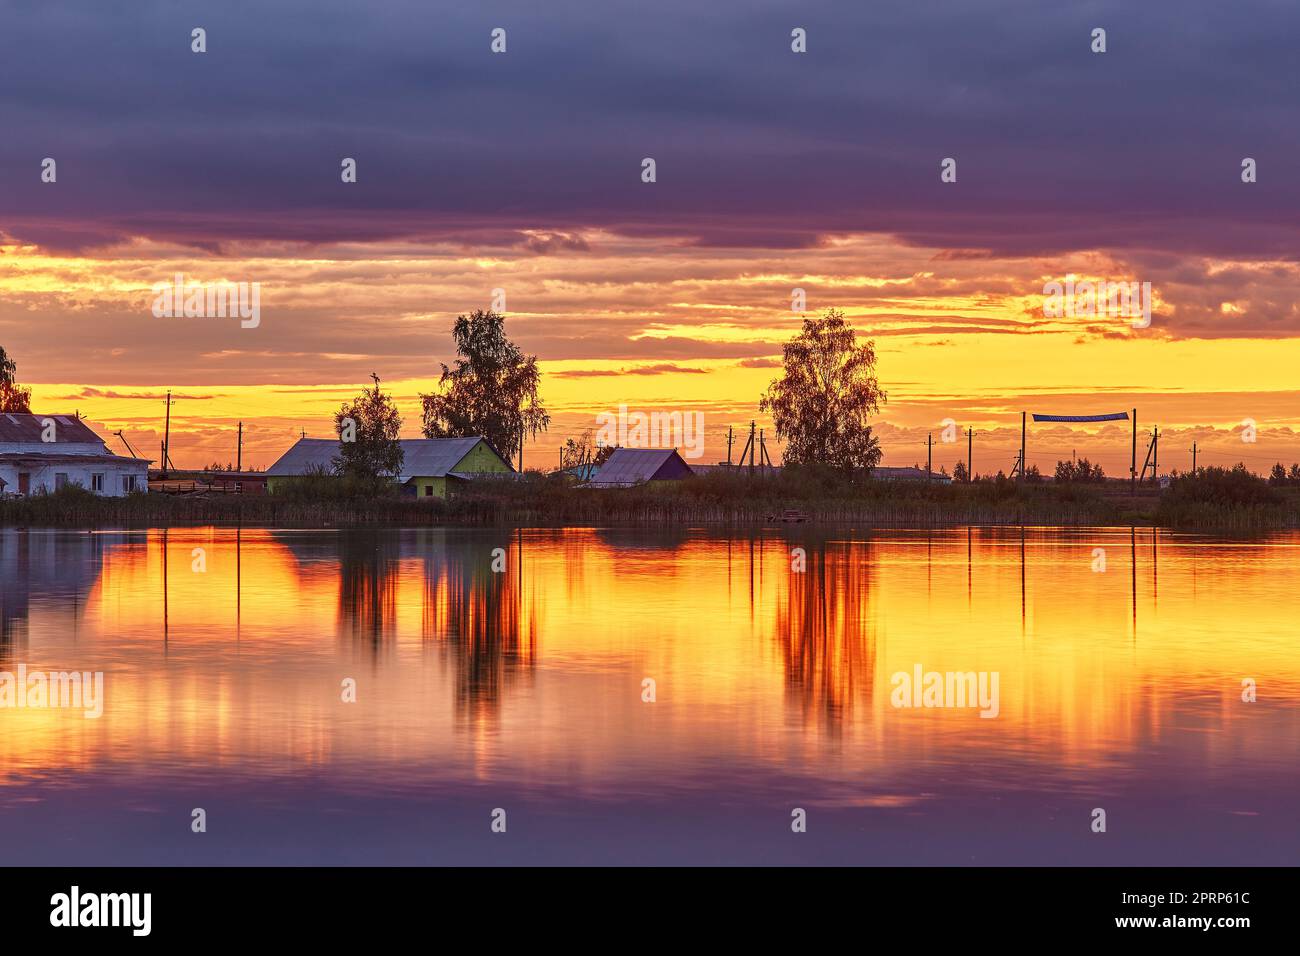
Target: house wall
{"type": "Point", "coordinates": [482, 459]}
{"type": "Point", "coordinates": [418, 485]}
{"type": "Point", "coordinates": [479, 460]}
{"type": "Point", "coordinates": [43, 475]}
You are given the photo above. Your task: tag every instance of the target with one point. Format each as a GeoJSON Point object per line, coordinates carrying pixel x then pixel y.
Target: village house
{"type": "Point", "coordinates": [44, 453]}
{"type": "Point", "coordinates": [627, 467]}
{"type": "Point", "coordinates": [431, 467]}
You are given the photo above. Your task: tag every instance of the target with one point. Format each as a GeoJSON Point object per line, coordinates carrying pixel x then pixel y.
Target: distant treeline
{"type": "Point", "coordinates": [1214, 498]}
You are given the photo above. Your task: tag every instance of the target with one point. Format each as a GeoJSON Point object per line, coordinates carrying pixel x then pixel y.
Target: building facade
{"type": "Point", "coordinates": [40, 454]}
{"type": "Point", "coordinates": [431, 467]}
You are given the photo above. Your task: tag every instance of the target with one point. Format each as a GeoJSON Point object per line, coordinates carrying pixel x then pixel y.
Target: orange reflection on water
{"type": "Point", "coordinates": [521, 655]}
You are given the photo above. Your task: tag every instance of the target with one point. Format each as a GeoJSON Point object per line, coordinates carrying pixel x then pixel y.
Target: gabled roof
{"type": "Point", "coordinates": [56, 458]}
{"type": "Point", "coordinates": [434, 457]}
{"type": "Point", "coordinates": [306, 455]}
{"type": "Point", "coordinates": [23, 427]}
{"type": "Point", "coordinates": [421, 457]}
{"type": "Point", "coordinates": [632, 466]}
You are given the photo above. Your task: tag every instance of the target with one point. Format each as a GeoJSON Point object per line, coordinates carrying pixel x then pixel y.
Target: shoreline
{"type": "Point", "coordinates": [643, 509]}
{"type": "Point", "coordinates": [1213, 500]}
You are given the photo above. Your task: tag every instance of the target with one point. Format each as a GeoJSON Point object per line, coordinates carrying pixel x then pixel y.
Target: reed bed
{"type": "Point", "coordinates": [1218, 502]}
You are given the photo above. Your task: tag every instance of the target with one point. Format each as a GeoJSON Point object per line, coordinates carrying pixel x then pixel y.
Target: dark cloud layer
{"type": "Point", "coordinates": [1057, 148]}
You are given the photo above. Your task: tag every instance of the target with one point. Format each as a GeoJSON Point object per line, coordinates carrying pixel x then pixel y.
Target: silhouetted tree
{"type": "Point", "coordinates": [492, 391]}
{"type": "Point", "coordinates": [375, 450]}
{"type": "Point", "coordinates": [1080, 471]}
{"type": "Point", "coordinates": [821, 404]}
{"type": "Point", "coordinates": [13, 397]}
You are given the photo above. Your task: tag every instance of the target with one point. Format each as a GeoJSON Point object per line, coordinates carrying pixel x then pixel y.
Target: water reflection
{"type": "Point", "coordinates": [824, 631]}
{"type": "Point", "coordinates": [470, 594]}
{"type": "Point", "coordinates": [474, 608]}
{"type": "Point", "coordinates": [512, 662]}
{"type": "Point", "coordinates": [50, 572]}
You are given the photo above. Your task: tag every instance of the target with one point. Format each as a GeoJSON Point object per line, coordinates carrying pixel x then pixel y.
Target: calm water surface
{"type": "Point", "coordinates": [522, 690]}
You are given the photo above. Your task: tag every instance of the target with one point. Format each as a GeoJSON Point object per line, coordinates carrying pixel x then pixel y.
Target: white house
{"type": "Point", "coordinates": [46, 452]}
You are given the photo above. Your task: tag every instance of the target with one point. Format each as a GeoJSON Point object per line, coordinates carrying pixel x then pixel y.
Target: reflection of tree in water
{"type": "Point", "coordinates": [472, 610]}
{"type": "Point", "coordinates": [827, 643]}
{"type": "Point", "coordinates": [368, 563]}
{"type": "Point", "coordinates": [478, 614]}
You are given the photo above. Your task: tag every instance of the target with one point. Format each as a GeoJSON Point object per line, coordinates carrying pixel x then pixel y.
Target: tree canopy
{"type": "Point", "coordinates": [821, 404]}
{"type": "Point", "coordinates": [13, 397]}
{"type": "Point", "coordinates": [368, 429]}
{"type": "Point", "coordinates": [491, 391]}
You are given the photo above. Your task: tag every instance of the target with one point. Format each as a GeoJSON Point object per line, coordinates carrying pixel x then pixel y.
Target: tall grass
{"type": "Point", "coordinates": [734, 498]}
{"type": "Point", "coordinates": [75, 507]}
{"type": "Point", "coordinates": [1214, 499]}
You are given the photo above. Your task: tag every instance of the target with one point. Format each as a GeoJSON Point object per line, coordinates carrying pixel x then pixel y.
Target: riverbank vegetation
{"type": "Point", "coordinates": [1214, 499]}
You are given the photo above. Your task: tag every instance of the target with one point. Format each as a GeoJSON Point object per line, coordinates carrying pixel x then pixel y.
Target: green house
{"type": "Point", "coordinates": [431, 467]}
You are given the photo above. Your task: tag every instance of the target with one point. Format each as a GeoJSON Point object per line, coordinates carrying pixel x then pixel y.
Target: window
{"type": "Point", "coordinates": [128, 484]}
{"type": "Point", "coordinates": [97, 484]}
{"type": "Point", "coordinates": [428, 491]}
{"type": "Point", "coordinates": [60, 480]}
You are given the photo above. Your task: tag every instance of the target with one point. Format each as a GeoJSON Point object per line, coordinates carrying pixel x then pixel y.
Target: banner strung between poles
{"type": "Point", "coordinates": [1114, 417]}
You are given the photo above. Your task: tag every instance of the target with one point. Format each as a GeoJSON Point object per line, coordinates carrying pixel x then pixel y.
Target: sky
{"type": "Point", "coordinates": [774, 170]}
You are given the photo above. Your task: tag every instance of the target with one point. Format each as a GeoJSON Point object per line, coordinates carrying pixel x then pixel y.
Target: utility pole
{"type": "Point", "coordinates": [1193, 458]}
{"type": "Point", "coordinates": [131, 450]}
{"type": "Point", "coordinates": [929, 452]}
{"type": "Point", "coordinates": [1133, 467]}
{"type": "Point", "coordinates": [750, 446]}
{"type": "Point", "coordinates": [167, 434]}
{"type": "Point", "coordinates": [970, 473]}
{"type": "Point", "coordinates": [239, 453]}
{"type": "Point", "coordinates": [730, 439]}
{"type": "Point", "coordinates": [1022, 446]}
{"type": "Point", "coordinates": [1155, 455]}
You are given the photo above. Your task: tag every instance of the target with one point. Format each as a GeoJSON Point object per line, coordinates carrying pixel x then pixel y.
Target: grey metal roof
{"type": "Point", "coordinates": [57, 457]}
{"type": "Point", "coordinates": [421, 457]}
{"type": "Point", "coordinates": [723, 468]}
{"type": "Point", "coordinates": [306, 455]}
{"type": "Point", "coordinates": [433, 457]}
{"type": "Point", "coordinates": [22, 427]}
{"type": "Point", "coordinates": [632, 466]}
{"type": "Point", "coordinates": [886, 473]}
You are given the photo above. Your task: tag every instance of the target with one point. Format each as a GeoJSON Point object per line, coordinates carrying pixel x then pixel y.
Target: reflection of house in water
{"type": "Point", "coordinates": [49, 571]}
{"type": "Point", "coordinates": [824, 629]}
{"type": "Point", "coordinates": [468, 607]}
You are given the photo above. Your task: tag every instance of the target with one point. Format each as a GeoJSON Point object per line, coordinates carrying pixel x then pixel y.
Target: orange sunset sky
{"type": "Point", "coordinates": [648, 324]}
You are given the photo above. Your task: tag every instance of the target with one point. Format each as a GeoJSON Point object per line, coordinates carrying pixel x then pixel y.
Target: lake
{"type": "Point", "coordinates": [652, 697]}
